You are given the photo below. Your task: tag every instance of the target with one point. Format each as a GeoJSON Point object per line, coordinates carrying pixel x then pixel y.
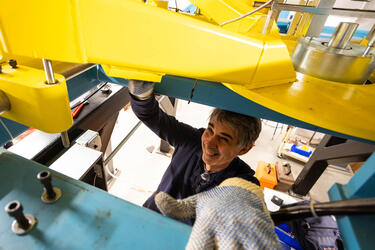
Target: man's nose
{"type": "Point", "coordinates": [211, 142]}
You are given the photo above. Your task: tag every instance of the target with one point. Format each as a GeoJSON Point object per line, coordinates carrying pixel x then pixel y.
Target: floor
{"type": "Point", "coordinates": [139, 166]}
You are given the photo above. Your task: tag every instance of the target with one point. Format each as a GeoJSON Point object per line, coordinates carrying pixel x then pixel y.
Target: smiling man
{"type": "Point", "coordinates": [203, 158]}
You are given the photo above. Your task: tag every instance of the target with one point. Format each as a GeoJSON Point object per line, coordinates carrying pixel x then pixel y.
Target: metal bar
{"type": "Point", "coordinates": [342, 35]}
{"type": "Point", "coordinates": [318, 21]}
{"type": "Point", "coordinates": [47, 65]}
{"type": "Point", "coordinates": [344, 150]}
{"type": "Point", "coordinates": [273, 14]}
{"type": "Point", "coordinates": [330, 148]}
{"type": "Point", "coordinates": [326, 11]}
{"type": "Point", "coordinates": [249, 13]}
{"type": "Point", "coordinates": [371, 40]}
{"type": "Point", "coordinates": [65, 139]}
{"type": "Point", "coordinates": [353, 13]}
{"type": "Point", "coordinates": [308, 177]}
{"type": "Point", "coordinates": [114, 152]}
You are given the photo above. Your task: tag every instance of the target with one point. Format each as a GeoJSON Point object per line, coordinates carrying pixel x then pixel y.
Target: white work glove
{"type": "Point", "coordinates": [230, 216]}
{"type": "Point", "coordinates": [140, 89]}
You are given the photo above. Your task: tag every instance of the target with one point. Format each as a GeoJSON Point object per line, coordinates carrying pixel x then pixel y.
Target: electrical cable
{"type": "Point", "coordinates": [6, 128]}
{"type": "Point", "coordinates": [248, 13]}
{"type": "Point", "coordinates": [341, 208]}
{"type": "Point", "coordinates": [175, 1]}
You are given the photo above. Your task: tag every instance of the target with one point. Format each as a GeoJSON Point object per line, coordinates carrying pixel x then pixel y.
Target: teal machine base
{"type": "Point", "coordinates": [357, 230]}
{"type": "Point", "coordinates": [84, 217]}
{"type": "Point", "coordinates": [88, 218]}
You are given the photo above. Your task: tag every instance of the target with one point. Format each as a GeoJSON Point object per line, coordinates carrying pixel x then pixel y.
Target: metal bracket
{"type": "Point", "coordinates": [330, 148]}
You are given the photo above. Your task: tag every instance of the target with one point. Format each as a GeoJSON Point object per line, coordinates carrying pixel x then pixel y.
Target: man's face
{"type": "Point", "coordinates": [220, 145]}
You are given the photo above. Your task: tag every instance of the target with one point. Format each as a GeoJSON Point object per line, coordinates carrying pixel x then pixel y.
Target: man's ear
{"type": "Point", "coordinates": [246, 149]}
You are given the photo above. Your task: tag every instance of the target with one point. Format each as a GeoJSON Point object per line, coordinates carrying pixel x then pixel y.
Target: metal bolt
{"type": "Point", "coordinates": [46, 179]}
{"type": "Point", "coordinates": [15, 209]}
{"type": "Point", "coordinates": [50, 194]}
{"type": "Point", "coordinates": [13, 63]}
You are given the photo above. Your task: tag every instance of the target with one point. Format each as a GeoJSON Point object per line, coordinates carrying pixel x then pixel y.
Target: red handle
{"type": "Point", "coordinates": [77, 110]}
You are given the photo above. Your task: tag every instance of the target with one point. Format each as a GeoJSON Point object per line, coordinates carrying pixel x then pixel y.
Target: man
{"type": "Point", "coordinates": [203, 158]}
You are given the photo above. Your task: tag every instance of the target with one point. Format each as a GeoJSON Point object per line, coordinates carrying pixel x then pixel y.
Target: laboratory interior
{"type": "Point", "coordinates": [82, 166]}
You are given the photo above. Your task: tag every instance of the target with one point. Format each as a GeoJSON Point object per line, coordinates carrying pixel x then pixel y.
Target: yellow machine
{"type": "Point", "coordinates": [131, 39]}
{"type": "Point", "coordinates": [233, 48]}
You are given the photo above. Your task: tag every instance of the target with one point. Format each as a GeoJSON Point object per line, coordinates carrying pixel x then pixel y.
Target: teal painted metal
{"type": "Point", "coordinates": [209, 93]}
{"type": "Point", "coordinates": [217, 95]}
{"type": "Point", "coordinates": [15, 129]}
{"type": "Point", "coordinates": [81, 83]}
{"type": "Point", "coordinates": [83, 218]}
{"type": "Point", "coordinates": [357, 230]}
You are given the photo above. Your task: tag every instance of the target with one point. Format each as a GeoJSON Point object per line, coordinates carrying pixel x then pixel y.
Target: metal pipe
{"type": "Point", "coordinates": [51, 80]}
{"type": "Point", "coordinates": [114, 152]}
{"type": "Point", "coordinates": [65, 139]}
{"type": "Point", "coordinates": [4, 102]}
{"type": "Point", "coordinates": [371, 40]}
{"type": "Point", "coordinates": [342, 35]}
{"type": "Point", "coordinates": [273, 15]}
{"type": "Point", "coordinates": [248, 14]}
{"type": "Point", "coordinates": [47, 65]}
{"type": "Point", "coordinates": [327, 11]}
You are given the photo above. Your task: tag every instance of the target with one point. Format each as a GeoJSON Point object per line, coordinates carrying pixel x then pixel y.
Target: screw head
{"type": "Point", "coordinates": [43, 175]}
{"type": "Point", "coordinates": [13, 63]}
{"type": "Point", "coordinates": [14, 208]}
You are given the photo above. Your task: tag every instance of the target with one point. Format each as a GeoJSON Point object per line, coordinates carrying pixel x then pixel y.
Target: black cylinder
{"type": "Point", "coordinates": [15, 209]}
{"type": "Point", "coordinates": [45, 178]}
{"type": "Point", "coordinates": [13, 63]}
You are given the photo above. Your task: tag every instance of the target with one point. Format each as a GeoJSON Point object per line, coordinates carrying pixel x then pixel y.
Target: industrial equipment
{"type": "Point", "coordinates": [229, 54]}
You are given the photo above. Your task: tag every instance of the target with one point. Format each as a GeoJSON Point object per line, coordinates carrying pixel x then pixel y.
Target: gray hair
{"type": "Point", "coordinates": [246, 127]}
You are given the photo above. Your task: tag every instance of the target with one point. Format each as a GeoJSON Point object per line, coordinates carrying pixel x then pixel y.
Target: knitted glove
{"type": "Point", "coordinates": [140, 89]}
{"type": "Point", "coordinates": [230, 216]}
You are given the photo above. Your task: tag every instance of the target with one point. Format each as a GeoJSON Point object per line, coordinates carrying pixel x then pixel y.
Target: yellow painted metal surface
{"type": "Point", "coordinates": [116, 71]}
{"type": "Point", "coordinates": [221, 11]}
{"type": "Point", "coordinates": [159, 3]}
{"type": "Point", "coordinates": [134, 40]}
{"type": "Point", "coordinates": [274, 50]}
{"type": "Point", "coordinates": [128, 34]}
{"type": "Point", "coordinates": [33, 102]}
{"type": "Point", "coordinates": [344, 108]}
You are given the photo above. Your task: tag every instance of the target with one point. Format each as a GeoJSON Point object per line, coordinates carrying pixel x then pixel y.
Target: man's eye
{"type": "Point", "coordinates": [224, 139]}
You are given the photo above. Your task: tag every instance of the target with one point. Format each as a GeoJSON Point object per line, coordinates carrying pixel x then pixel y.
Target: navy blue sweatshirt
{"type": "Point", "coordinates": [183, 175]}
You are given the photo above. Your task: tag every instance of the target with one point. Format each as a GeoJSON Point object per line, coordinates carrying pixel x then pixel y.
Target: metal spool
{"type": "Point", "coordinates": [334, 59]}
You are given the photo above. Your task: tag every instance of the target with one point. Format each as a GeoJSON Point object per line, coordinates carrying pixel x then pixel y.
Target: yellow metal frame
{"type": "Point", "coordinates": [344, 108]}
{"type": "Point", "coordinates": [134, 40]}
{"type": "Point", "coordinates": [130, 36]}
{"type": "Point", "coordinates": [33, 102]}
